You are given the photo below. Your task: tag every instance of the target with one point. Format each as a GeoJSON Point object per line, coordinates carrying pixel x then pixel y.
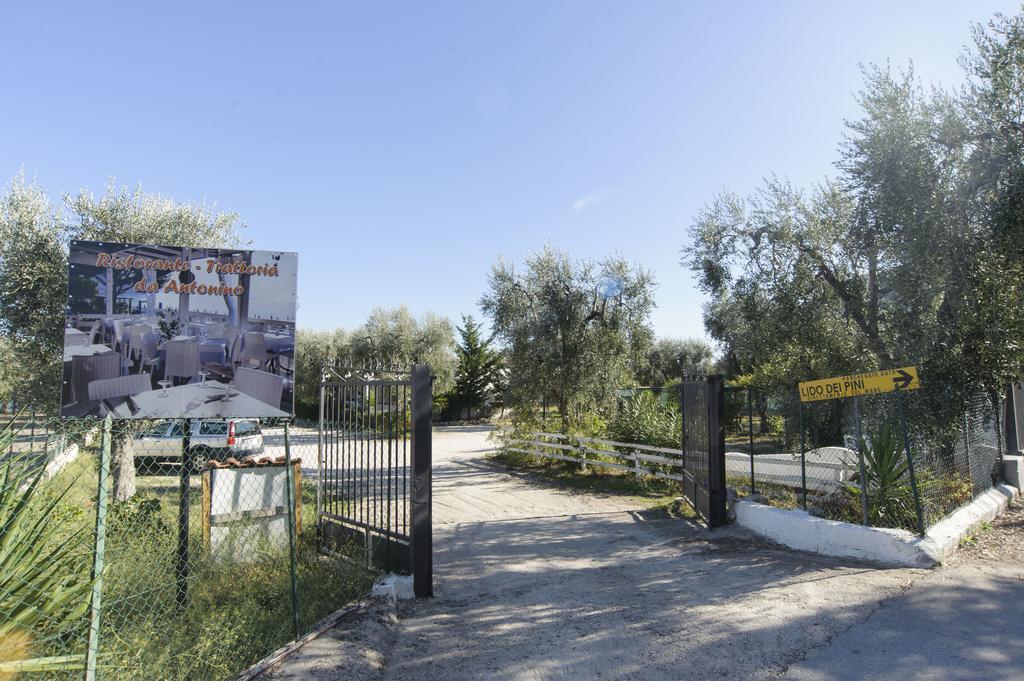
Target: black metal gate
{"type": "Point", "coordinates": [374, 483]}
{"type": "Point", "coordinates": [702, 403]}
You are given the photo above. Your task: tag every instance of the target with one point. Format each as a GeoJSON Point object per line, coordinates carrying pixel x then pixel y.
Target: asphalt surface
{"type": "Point", "coordinates": [535, 582]}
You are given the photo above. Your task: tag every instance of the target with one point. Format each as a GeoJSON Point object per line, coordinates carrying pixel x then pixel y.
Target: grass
{"type": "Point", "coordinates": [763, 444]}
{"type": "Point", "coordinates": [655, 493]}
{"type": "Point", "coordinates": [779, 496]}
{"type": "Point", "coordinates": [238, 608]}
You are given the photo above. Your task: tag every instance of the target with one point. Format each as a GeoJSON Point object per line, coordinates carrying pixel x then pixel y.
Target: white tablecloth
{"type": "Point", "coordinates": [82, 350]}
{"type": "Point", "coordinates": [278, 342]}
{"type": "Point", "coordinates": [198, 401]}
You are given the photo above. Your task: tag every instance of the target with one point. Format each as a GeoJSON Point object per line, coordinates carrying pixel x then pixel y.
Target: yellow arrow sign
{"type": "Point", "coordinates": [872, 383]}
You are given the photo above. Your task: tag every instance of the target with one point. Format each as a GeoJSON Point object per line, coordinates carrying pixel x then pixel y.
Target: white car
{"type": "Point", "coordinates": [161, 446]}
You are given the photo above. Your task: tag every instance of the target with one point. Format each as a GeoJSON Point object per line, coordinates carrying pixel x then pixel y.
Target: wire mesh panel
{"type": "Point", "coordinates": [859, 459]}
{"type": "Point", "coordinates": [161, 549]}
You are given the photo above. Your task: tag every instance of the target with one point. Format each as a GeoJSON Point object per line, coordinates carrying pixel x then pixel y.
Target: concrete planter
{"type": "Point", "coordinates": [800, 530]}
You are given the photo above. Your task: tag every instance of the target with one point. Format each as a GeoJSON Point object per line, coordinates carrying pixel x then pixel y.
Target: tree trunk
{"type": "Point", "coordinates": [762, 413]}
{"type": "Point", "coordinates": [122, 460]}
{"type": "Point", "coordinates": [563, 413]}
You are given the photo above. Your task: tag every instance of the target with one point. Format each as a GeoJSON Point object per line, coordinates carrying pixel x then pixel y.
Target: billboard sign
{"type": "Point", "coordinates": [178, 332]}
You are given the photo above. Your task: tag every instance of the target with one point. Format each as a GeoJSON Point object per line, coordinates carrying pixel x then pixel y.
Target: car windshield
{"type": "Point", "coordinates": [213, 428]}
{"type": "Point", "coordinates": [246, 428]}
{"type": "Point", "coordinates": [157, 430]}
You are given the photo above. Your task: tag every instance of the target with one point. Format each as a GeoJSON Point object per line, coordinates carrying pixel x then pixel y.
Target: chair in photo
{"type": "Point", "coordinates": [216, 357]}
{"type": "Point", "coordinates": [284, 361]}
{"type": "Point", "coordinates": [87, 368]}
{"type": "Point", "coordinates": [182, 360]}
{"type": "Point", "coordinates": [121, 337]}
{"type": "Point", "coordinates": [137, 331]}
{"type": "Point", "coordinates": [215, 330]}
{"type": "Point", "coordinates": [94, 332]}
{"type": "Point", "coordinates": [150, 345]}
{"type": "Point", "coordinates": [112, 393]}
{"type": "Point", "coordinates": [231, 339]}
{"type": "Point", "coordinates": [254, 350]}
{"type": "Point", "coordinates": [267, 388]}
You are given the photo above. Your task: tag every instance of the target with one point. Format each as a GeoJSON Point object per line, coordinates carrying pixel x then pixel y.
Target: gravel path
{"type": "Point", "coordinates": [962, 621]}
{"type": "Point", "coordinates": [539, 583]}
{"type": "Point", "coordinates": [534, 582]}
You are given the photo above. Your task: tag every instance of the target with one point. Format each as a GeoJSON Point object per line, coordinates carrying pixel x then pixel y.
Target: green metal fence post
{"type": "Point", "coordinates": [967, 449]}
{"type": "Point", "coordinates": [99, 553]}
{"type": "Point", "coordinates": [290, 492]}
{"type": "Point", "coordinates": [910, 463]}
{"type": "Point", "coordinates": [184, 499]}
{"type": "Point", "coordinates": [750, 429]}
{"type": "Point", "coordinates": [803, 459]}
{"type": "Point", "coordinates": [999, 431]}
{"type": "Point", "coordinates": [858, 433]}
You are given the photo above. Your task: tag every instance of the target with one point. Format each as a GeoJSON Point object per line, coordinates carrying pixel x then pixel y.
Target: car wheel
{"type": "Point", "coordinates": [198, 460]}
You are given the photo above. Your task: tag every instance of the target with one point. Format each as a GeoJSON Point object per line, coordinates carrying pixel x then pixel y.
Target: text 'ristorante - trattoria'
{"type": "Point", "coordinates": [133, 262]}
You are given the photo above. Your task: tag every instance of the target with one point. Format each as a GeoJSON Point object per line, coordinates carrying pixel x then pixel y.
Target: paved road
{"type": "Point", "coordinates": [534, 583]}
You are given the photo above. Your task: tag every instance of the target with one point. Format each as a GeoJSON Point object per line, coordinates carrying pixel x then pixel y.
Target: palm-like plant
{"type": "Point", "coordinates": [643, 419]}
{"type": "Point", "coordinates": [886, 479]}
{"type": "Point", "coordinates": [43, 588]}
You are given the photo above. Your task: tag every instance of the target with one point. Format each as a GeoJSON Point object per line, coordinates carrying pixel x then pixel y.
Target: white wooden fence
{"type": "Point", "coordinates": [592, 451]}
{"type": "Point", "coordinates": [824, 468]}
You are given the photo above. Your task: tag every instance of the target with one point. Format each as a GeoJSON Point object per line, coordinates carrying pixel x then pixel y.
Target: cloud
{"type": "Point", "coordinates": [590, 199]}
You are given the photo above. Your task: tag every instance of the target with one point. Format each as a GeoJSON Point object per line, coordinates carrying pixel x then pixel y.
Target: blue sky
{"type": "Point", "coordinates": [401, 148]}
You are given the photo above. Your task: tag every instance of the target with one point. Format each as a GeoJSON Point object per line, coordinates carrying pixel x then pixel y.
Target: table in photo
{"type": "Point", "coordinates": [75, 337]}
{"type": "Point", "coordinates": [211, 351]}
{"type": "Point", "coordinates": [72, 351]}
{"type": "Point", "coordinates": [122, 329]}
{"type": "Point", "coordinates": [279, 342]}
{"type": "Point", "coordinates": [279, 345]}
{"type": "Point", "coordinates": [199, 400]}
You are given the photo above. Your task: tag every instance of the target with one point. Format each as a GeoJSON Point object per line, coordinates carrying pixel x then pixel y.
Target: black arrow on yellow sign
{"type": "Point", "coordinates": [903, 380]}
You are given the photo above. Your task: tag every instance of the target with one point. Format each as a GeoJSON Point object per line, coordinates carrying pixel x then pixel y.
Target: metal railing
{"type": "Point", "coordinates": [374, 452]}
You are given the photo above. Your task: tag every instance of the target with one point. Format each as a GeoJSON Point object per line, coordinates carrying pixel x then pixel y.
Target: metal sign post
{"type": "Point", "coordinates": [860, 459]}
{"type": "Point", "coordinates": [910, 464]}
{"type": "Point", "coordinates": [99, 553]}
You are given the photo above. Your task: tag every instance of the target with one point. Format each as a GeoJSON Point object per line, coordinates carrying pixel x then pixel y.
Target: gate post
{"type": "Point", "coordinates": [422, 533]}
{"type": "Point", "coordinates": [716, 450]}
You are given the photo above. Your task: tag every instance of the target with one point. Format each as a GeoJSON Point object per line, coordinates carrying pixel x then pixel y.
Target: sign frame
{"type": "Point", "coordinates": [179, 332]}
{"type": "Point", "coordinates": [900, 379]}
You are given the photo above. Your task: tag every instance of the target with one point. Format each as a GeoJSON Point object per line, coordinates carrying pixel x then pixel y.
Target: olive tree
{"type": "Point", "coordinates": [913, 254]}
{"type": "Point", "coordinates": [33, 269]}
{"type": "Point", "coordinates": [394, 337]}
{"type": "Point", "coordinates": [668, 358]}
{"type": "Point", "coordinates": [568, 327]}
{"type": "Point", "coordinates": [313, 349]}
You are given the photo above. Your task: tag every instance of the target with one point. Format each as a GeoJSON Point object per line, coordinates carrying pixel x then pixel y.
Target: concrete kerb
{"type": "Point", "coordinates": [393, 588]}
{"type": "Point", "coordinates": [800, 530]}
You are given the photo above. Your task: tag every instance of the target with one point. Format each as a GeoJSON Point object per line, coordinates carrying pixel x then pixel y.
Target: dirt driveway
{"type": "Point", "coordinates": [538, 583]}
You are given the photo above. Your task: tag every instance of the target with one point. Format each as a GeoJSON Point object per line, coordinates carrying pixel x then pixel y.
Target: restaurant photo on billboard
{"type": "Point", "coordinates": [156, 332]}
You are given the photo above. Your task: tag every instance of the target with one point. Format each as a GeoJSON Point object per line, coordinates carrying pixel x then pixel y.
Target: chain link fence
{"type": "Point", "coordinates": [848, 459]}
{"type": "Point", "coordinates": [162, 549]}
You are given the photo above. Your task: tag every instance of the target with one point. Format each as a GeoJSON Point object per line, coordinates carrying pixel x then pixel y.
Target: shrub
{"type": "Point", "coordinates": [889, 492]}
{"type": "Point", "coordinates": [643, 419]}
{"type": "Point", "coordinates": [44, 590]}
